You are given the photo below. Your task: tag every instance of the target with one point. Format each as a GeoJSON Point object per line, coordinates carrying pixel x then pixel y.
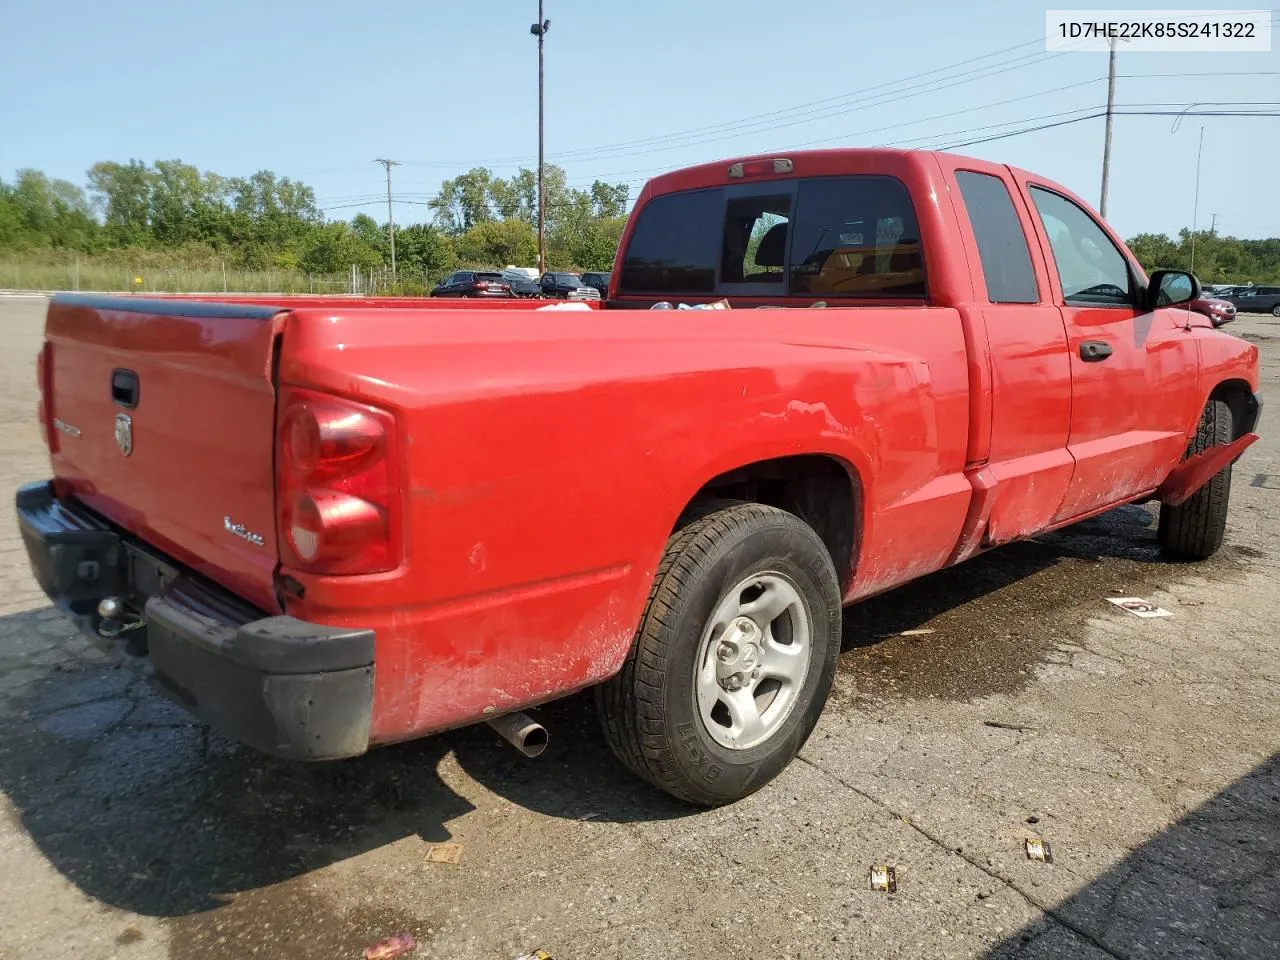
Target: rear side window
{"type": "Point", "coordinates": [856, 237]}
{"type": "Point", "coordinates": [675, 245]}
{"type": "Point", "coordinates": [1002, 246]}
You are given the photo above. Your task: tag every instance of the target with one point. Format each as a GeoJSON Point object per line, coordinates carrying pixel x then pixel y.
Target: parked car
{"type": "Point", "coordinates": [598, 281]}
{"type": "Point", "coordinates": [469, 283]}
{"type": "Point", "coordinates": [522, 285]}
{"type": "Point", "coordinates": [1218, 290]}
{"type": "Point", "coordinates": [567, 286]}
{"type": "Point", "coordinates": [1215, 308]}
{"type": "Point", "coordinates": [454, 519]}
{"type": "Point", "coordinates": [1259, 299]}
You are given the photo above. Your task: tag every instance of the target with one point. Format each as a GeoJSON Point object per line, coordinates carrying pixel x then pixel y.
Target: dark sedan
{"type": "Point", "coordinates": [470, 283]}
{"type": "Point", "coordinates": [1257, 300]}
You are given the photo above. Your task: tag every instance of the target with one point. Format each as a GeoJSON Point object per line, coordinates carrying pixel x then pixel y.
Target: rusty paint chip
{"type": "Point", "coordinates": [445, 853]}
{"type": "Point", "coordinates": [884, 879]}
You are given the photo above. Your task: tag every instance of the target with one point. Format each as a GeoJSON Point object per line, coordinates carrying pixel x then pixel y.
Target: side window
{"type": "Point", "coordinates": [675, 245]}
{"type": "Point", "coordinates": [1002, 246]}
{"type": "Point", "coordinates": [1092, 271]}
{"type": "Point", "coordinates": [754, 249]}
{"type": "Point", "coordinates": [856, 237]}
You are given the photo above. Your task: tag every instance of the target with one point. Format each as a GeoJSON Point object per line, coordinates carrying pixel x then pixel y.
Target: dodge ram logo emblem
{"type": "Point", "coordinates": [124, 433]}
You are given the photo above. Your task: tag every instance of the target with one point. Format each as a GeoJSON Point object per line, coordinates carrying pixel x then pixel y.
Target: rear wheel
{"type": "Point", "coordinates": [1195, 528]}
{"type": "Point", "coordinates": [1275, 311]}
{"type": "Point", "coordinates": [734, 657]}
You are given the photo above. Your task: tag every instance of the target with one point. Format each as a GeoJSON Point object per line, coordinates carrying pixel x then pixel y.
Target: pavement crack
{"type": "Point", "coordinates": [938, 842]}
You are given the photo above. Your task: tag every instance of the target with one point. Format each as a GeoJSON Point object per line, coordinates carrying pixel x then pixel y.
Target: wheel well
{"type": "Point", "coordinates": [822, 491]}
{"type": "Point", "coordinates": [1242, 403]}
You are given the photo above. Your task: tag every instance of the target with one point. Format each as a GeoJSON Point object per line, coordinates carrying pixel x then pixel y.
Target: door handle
{"type": "Point", "coordinates": [1092, 351]}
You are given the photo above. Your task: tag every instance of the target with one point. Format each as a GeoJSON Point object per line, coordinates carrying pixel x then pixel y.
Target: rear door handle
{"type": "Point", "coordinates": [1092, 351]}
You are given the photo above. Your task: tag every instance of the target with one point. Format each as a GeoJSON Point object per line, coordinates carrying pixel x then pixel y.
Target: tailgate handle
{"type": "Point", "coordinates": [124, 388]}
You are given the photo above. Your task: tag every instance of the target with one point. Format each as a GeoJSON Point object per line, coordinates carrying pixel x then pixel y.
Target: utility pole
{"type": "Point", "coordinates": [539, 30]}
{"type": "Point", "coordinates": [1106, 143]}
{"type": "Point", "coordinates": [1195, 208]}
{"type": "Point", "coordinates": [391, 218]}
{"type": "Point", "coordinates": [1213, 225]}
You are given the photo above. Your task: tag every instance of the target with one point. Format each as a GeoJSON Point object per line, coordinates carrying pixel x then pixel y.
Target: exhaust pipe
{"type": "Point", "coordinates": [522, 732]}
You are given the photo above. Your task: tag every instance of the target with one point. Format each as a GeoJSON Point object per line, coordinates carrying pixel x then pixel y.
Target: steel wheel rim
{"type": "Point", "coordinates": [759, 635]}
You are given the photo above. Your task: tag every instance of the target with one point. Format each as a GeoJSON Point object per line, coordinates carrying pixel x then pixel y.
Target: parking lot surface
{"type": "Point", "coordinates": [1146, 752]}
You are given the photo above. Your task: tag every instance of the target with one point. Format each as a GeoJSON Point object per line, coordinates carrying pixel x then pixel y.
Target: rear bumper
{"type": "Point", "coordinates": [286, 687]}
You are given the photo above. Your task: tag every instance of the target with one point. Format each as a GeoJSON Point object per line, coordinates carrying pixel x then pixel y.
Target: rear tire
{"type": "Point", "coordinates": [753, 579]}
{"type": "Point", "coordinates": [1275, 311]}
{"type": "Point", "coordinates": [1195, 529]}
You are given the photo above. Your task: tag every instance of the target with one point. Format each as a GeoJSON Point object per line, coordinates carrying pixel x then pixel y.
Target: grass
{"type": "Point", "coordinates": [24, 274]}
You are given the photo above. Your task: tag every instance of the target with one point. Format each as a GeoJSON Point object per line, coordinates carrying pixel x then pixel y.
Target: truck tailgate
{"type": "Point", "coordinates": [161, 417]}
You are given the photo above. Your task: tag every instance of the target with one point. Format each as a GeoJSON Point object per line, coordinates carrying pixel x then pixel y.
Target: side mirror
{"type": "Point", "coordinates": [1171, 287]}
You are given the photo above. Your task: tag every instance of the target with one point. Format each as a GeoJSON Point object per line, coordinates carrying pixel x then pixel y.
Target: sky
{"type": "Point", "coordinates": [316, 89]}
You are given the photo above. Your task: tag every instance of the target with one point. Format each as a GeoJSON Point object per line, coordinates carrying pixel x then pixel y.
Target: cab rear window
{"type": "Point", "coordinates": [826, 237]}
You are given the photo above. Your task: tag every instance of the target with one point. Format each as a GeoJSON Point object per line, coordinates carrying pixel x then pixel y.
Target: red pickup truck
{"type": "Point", "coordinates": [328, 524]}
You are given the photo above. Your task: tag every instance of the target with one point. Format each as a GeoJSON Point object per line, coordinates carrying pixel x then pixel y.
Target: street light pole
{"type": "Point", "coordinates": [539, 30]}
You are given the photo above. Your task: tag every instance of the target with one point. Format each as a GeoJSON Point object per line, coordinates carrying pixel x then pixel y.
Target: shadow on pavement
{"type": "Point", "coordinates": [1206, 887]}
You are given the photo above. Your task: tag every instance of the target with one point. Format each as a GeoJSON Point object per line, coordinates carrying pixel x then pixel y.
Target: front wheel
{"type": "Point", "coordinates": [1195, 528]}
{"type": "Point", "coordinates": [1275, 311]}
{"type": "Point", "coordinates": [733, 660]}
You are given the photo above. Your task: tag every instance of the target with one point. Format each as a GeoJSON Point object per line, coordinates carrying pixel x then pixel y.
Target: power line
{"type": "Point", "coordinates": [1100, 113]}
{"type": "Point", "coordinates": [813, 110]}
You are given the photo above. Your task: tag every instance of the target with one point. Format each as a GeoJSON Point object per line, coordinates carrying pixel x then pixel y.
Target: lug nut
{"type": "Point", "coordinates": [733, 682]}
{"type": "Point", "coordinates": [755, 674]}
{"type": "Point", "coordinates": [726, 651]}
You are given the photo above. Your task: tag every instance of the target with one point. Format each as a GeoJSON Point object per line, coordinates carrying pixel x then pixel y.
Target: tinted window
{"type": "Point", "coordinates": [754, 248]}
{"type": "Point", "coordinates": [1092, 271]}
{"type": "Point", "coordinates": [856, 236]}
{"type": "Point", "coordinates": [1002, 246]}
{"type": "Point", "coordinates": [674, 246]}
{"type": "Point", "coordinates": [489, 276]}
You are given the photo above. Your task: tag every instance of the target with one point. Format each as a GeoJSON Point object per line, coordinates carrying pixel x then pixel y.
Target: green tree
{"type": "Point", "coordinates": [334, 247]}
{"type": "Point", "coordinates": [367, 229]}
{"type": "Point", "coordinates": [463, 201]}
{"type": "Point", "coordinates": [496, 243]}
{"type": "Point", "coordinates": [424, 250]}
{"type": "Point", "coordinates": [123, 193]}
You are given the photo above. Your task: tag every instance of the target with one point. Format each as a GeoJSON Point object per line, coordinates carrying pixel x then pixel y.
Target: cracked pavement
{"type": "Point", "coordinates": [1147, 752]}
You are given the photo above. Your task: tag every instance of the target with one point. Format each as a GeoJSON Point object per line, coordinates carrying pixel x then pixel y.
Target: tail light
{"type": "Point", "coordinates": [482, 284]}
{"type": "Point", "coordinates": [337, 505]}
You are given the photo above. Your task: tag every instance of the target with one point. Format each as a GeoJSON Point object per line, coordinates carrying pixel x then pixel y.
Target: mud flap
{"type": "Point", "coordinates": [1190, 475]}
